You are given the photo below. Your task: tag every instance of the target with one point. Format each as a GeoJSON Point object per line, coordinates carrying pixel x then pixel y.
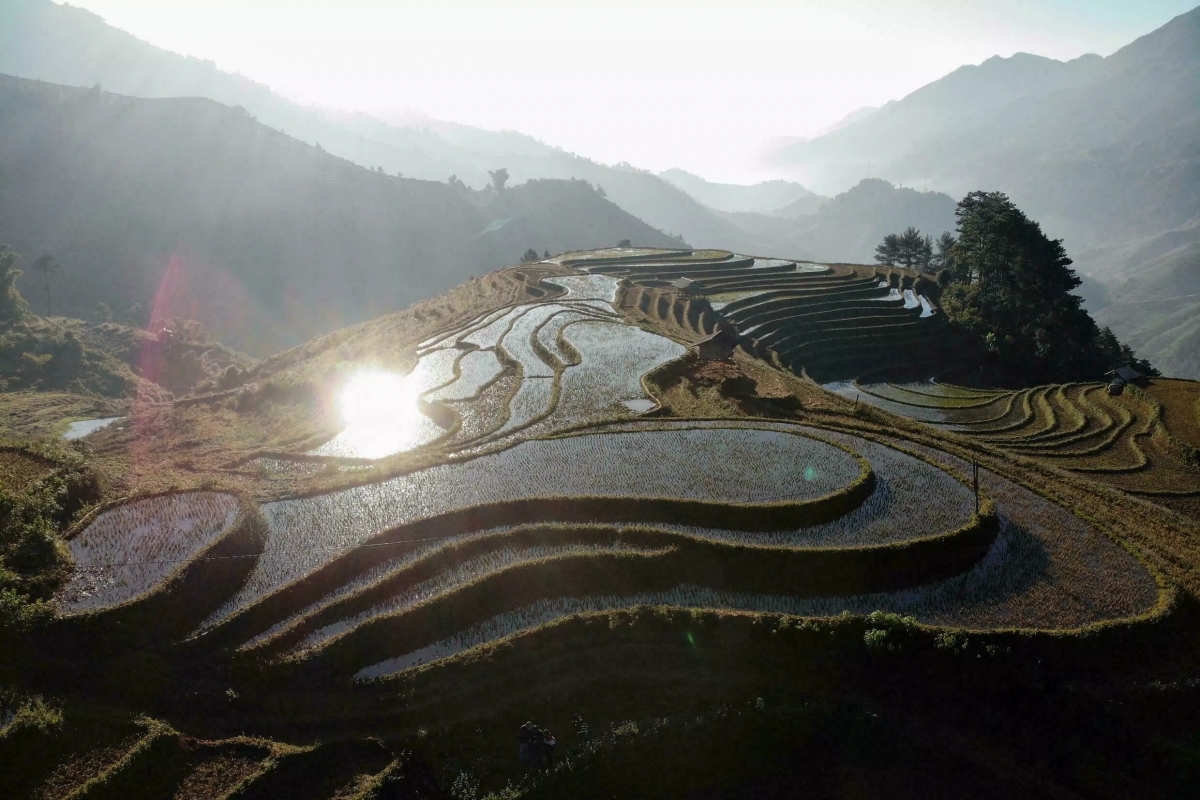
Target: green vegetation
{"type": "Point", "coordinates": [1010, 285]}
{"type": "Point", "coordinates": [41, 493]}
{"type": "Point", "coordinates": [909, 249]}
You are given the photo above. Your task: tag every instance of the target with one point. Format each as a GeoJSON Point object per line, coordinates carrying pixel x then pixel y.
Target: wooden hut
{"type": "Point", "coordinates": [1121, 376]}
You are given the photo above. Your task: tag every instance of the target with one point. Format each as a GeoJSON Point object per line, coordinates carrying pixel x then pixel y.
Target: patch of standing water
{"type": "Point", "coordinates": [548, 335]}
{"type": "Point", "coordinates": [382, 412]}
{"type": "Point", "coordinates": [373, 575]}
{"type": "Point", "coordinates": [129, 550]}
{"type": "Point", "coordinates": [850, 391]}
{"type": "Point", "coordinates": [639, 406]}
{"type": "Point", "coordinates": [489, 334]}
{"type": "Point", "coordinates": [714, 464]}
{"type": "Point", "coordinates": [927, 309]}
{"type": "Point", "coordinates": [518, 344]}
{"type": "Point", "coordinates": [613, 360]}
{"type": "Point", "coordinates": [531, 401]}
{"type": "Point", "coordinates": [476, 369]}
{"type": "Point", "coordinates": [894, 294]}
{"type": "Point", "coordinates": [448, 339]}
{"type": "Point", "coordinates": [83, 427]}
{"type": "Point", "coordinates": [910, 299]}
{"type": "Point", "coordinates": [592, 286]}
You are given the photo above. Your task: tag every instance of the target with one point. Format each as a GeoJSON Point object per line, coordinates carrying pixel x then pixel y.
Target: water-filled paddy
{"type": "Point", "coordinates": [458, 575]}
{"type": "Point", "coordinates": [476, 369]}
{"type": "Point", "coordinates": [128, 550]}
{"type": "Point", "coordinates": [613, 359]}
{"type": "Point", "coordinates": [736, 465]}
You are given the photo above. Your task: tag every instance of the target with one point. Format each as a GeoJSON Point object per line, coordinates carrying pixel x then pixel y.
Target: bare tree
{"type": "Point", "coordinates": [48, 267]}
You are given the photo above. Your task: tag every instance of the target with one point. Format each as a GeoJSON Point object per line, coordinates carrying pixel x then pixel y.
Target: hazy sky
{"type": "Point", "coordinates": [658, 83]}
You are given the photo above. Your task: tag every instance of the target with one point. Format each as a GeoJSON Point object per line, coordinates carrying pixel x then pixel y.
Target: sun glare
{"type": "Point", "coordinates": [382, 416]}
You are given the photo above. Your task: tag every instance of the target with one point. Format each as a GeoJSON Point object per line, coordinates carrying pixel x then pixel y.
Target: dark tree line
{"type": "Point", "coordinates": [1008, 283]}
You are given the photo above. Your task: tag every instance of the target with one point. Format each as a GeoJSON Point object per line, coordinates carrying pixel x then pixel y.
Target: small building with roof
{"type": "Point", "coordinates": [1121, 376]}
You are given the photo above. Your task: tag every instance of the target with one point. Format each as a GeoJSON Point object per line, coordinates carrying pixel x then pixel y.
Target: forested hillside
{"type": "Point", "coordinates": [267, 240]}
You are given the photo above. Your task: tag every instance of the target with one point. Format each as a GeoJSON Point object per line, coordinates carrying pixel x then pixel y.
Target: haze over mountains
{"type": "Point", "coordinates": [1105, 152]}
{"type": "Point", "coordinates": [270, 241]}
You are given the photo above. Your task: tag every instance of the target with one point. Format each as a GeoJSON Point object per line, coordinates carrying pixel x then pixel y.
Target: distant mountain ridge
{"type": "Point", "coordinates": [760, 198]}
{"type": "Point", "coordinates": [198, 210]}
{"type": "Point", "coordinates": [62, 44]}
{"type": "Point", "coordinates": [1099, 149]}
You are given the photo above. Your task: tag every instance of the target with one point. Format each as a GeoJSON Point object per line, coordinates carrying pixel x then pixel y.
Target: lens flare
{"type": "Point", "coordinates": [382, 416]}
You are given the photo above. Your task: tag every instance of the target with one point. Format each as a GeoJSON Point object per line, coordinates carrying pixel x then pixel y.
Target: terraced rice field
{"type": "Point", "coordinates": [737, 466]}
{"type": "Point", "coordinates": [1041, 568]}
{"type": "Point", "coordinates": [129, 550]}
{"type": "Point", "coordinates": [574, 359]}
{"type": "Point", "coordinates": [549, 497]}
{"type": "Point", "coordinates": [1127, 440]}
{"type": "Point", "coordinates": [828, 321]}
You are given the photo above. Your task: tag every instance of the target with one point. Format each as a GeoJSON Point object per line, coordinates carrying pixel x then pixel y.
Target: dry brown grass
{"type": "Point", "coordinates": [35, 415]}
{"type": "Point", "coordinates": [19, 469]}
{"type": "Point", "coordinates": [1181, 407]}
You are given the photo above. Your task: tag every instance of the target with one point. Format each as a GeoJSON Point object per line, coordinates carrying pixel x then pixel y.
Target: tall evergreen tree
{"type": "Point", "coordinates": [888, 250]}
{"type": "Point", "coordinates": [943, 257]}
{"type": "Point", "coordinates": [1012, 285]}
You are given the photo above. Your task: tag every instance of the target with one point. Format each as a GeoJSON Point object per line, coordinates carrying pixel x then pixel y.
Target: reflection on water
{"type": "Point", "coordinates": [381, 415]}
{"type": "Point", "coordinates": [77, 430]}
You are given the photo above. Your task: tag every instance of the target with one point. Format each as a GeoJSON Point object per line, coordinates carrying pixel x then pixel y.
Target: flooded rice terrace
{"type": "Point", "coordinates": [707, 464]}
{"type": "Point", "coordinates": [577, 361]}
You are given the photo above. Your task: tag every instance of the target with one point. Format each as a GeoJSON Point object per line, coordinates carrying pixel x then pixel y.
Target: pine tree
{"type": "Point", "coordinates": [888, 250]}
{"type": "Point", "coordinates": [943, 258]}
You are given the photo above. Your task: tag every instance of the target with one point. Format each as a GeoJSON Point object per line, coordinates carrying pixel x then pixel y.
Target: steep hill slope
{"type": "Point", "coordinates": [62, 44]}
{"type": "Point", "coordinates": [966, 98]}
{"type": "Point", "coordinates": [1102, 150]}
{"type": "Point", "coordinates": [195, 209]}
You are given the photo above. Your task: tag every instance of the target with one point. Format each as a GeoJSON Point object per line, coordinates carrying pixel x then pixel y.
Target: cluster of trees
{"type": "Point", "coordinates": [532, 255]}
{"type": "Point", "coordinates": [1008, 283]}
{"type": "Point", "coordinates": [914, 250]}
